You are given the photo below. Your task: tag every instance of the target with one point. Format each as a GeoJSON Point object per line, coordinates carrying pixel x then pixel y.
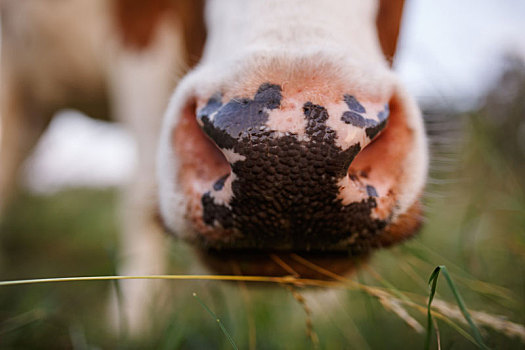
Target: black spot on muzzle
{"type": "Point", "coordinates": [239, 118]}
{"type": "Point", "coordinates": [354, 117]}
{"type": "Point", "coordinates": [285, 188]}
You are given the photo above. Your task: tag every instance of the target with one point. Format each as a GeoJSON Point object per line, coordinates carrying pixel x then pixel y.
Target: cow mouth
{"type": "Point", "coordinates": [316, 265]}
{"type": "Point", "coordinates": [305, 265]}
{"type": "Point", "coordinates": [378, 169]}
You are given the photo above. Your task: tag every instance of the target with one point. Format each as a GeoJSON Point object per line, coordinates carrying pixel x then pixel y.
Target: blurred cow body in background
{"type": "Point", "coordinates": [121, 59]}
{"type": "Point", "coordinates": [115, 60]}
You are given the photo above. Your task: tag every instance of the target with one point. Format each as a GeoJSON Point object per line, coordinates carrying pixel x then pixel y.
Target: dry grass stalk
{"type": "Point", "coordinates": [496, 322]}
{"type": "Point", "coordinates": [310, 332]}
{"type": "Point", "coordinates": [394, 305]}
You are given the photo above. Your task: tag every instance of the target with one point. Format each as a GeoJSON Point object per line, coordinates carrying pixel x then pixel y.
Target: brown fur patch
{"type": "Point", "coordinates": [388, 22]}
{"type": "Point", "coordinates": [137, 20]}
{"type": "Point", "coordinates": [191, 15]}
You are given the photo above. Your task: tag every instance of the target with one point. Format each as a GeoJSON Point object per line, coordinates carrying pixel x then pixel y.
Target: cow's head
{"type": "Point", "coordinates": [293, 134]}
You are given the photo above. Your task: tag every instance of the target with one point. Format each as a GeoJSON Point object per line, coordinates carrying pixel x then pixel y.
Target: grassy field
{"type": "Point", "coordinates": [475, 207]}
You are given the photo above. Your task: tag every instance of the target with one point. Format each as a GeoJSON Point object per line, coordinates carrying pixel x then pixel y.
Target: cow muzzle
{"type": "Point", "coordinates": [283, 169]}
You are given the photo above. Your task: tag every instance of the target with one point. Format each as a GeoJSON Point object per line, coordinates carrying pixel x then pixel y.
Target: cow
{"type": "Point", "coordinates": [112, 59]}
{"type": "Point", "coordinates": [289, 133]}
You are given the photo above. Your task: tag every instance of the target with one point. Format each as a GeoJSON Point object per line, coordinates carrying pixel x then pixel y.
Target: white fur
{"type": "Point", "coordinates": [237, 26]}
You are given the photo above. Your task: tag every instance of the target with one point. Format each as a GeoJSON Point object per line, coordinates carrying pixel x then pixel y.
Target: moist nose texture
{"type": "Point", "coordinates": [227, 125]}
{"type": "Point", "coordinates": [284, 188]}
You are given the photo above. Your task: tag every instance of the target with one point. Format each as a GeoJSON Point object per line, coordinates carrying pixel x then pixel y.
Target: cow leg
{"type": "Point", "coordinates": [22, 121]}
{"type": "Point", "coordinates": [140, 86]}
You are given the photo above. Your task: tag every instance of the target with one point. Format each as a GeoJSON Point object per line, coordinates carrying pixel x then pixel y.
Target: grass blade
{"type": "Point", "coordinates": [212, 314]}
{"type": "Point", "coordinates": [21, 321]}
{"type": "Point", "coordinates": [461, 304]}
{"type": "Point", "coordinates": [286, 279]}
{"type": "Point", "coordinates": [433, 282]}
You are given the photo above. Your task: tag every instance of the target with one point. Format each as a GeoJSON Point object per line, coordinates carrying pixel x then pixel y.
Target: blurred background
{"type": "Point", "coordinates": [463, 60]}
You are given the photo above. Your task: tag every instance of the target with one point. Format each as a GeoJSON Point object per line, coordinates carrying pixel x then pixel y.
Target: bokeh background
{"type": "Point", "coordinates": [464, 61]}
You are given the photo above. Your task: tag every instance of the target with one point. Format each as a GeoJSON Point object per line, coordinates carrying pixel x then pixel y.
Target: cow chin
{"type": "Point", "coordinates": [308, 160]}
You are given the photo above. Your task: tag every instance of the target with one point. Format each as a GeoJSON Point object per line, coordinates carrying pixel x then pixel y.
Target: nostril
{"type": "Point", "coordinates": [380, 164]}
{"type": "Point", "coordinates": [219, 184]}
{"type": "Point", "coordinates": [371, 191]}
{"type": "Point", "coordinates": [203, 162]}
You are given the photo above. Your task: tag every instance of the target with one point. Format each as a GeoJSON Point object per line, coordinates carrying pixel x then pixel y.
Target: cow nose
{"type": "Point", "coordinates": [287, 185]}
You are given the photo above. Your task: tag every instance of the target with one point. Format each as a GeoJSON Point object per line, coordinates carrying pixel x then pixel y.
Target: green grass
{"type": "Point", "coordinates": [459, 300]}
{"type": "Point", "coordinates": [217, 319]}
{"type": "Point", "coordinates": [476, 227]}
